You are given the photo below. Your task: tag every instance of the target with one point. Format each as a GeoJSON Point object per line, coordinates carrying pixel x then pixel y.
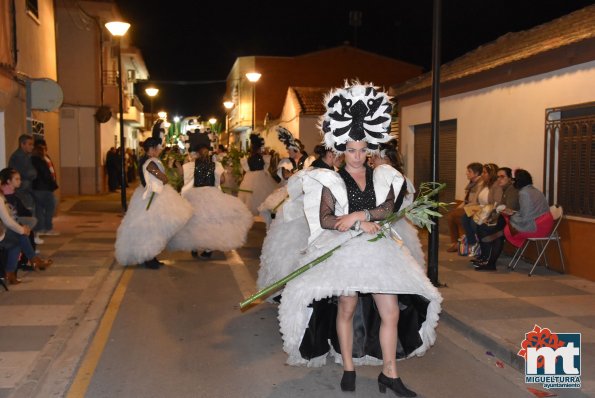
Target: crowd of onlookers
{"type": "Point", "coordinates": [499, 205]}
{"type": "Point", "coordinates": [27, 207]}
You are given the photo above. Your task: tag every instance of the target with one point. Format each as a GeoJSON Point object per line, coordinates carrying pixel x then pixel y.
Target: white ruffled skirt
{"type": "Point", "coordinates": [261, 185]}
{"type": "Point", "coordinates": [143, 234]}
{"type": "Point", "coordinates": [282, 250]}
{"type": "Point", "coordinates": [219, 222]}
{"type": "Point", "coordinates": [359, 266]}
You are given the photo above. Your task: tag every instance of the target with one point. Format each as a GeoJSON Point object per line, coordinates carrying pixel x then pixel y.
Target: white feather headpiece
{"type": "Point", "coordinates": [356, 112]}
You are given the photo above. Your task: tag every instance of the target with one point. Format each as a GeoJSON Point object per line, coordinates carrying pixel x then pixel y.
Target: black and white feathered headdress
{"type": "Point", "coordinates": [256, 141]}
{"type": "Point", "coordinates": [286, 138]}
{"type": "Point", "coordinates": [158, 132]}
{"type": "Point", "coordinates": [356, 112]}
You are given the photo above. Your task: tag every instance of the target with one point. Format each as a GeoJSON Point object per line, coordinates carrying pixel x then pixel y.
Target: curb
{"type": "Point", "coordinates": [498, 348]}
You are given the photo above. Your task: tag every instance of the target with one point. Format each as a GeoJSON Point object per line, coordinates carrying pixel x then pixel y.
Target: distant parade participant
{"type": "Point", "coordinates": [257, 183]}
{"type": "Point", "coordinates": [155, 214]}
{"type": "Point", "coordinates": [219, 221]}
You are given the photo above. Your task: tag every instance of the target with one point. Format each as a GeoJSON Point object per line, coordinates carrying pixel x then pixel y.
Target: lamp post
{"type": "Point", "coordinates": [253, 77]}
{"type": "Point", "coordinates": [119, 29]}
{"type": "Point", "coordinates": [228, 105]}
{"type": "Point", "coordinates": [151, 92]}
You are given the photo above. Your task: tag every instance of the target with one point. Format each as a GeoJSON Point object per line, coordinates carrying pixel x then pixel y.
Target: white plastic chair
{"type": "Point", "coordinates": [542, 243]}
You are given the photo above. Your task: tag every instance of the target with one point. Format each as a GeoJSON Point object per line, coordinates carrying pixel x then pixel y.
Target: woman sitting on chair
{"type": "Point", "coordinates": [533, 218]}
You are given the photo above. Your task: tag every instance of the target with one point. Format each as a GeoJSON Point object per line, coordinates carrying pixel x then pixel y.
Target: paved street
{"type": "Point", "coordinates": [89, 327]}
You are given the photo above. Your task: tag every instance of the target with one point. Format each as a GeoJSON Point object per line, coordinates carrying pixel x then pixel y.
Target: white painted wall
{"type": "Point", "coordinates": [503, 124]}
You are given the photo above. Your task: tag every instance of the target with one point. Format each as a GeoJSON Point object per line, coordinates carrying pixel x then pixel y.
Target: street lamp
{"type": "Point", "coordinates": [228, 105]}
{"type": "Point", "coordinates": [253, 77]}
{"type": "Point", "coordinates": [119, 29]}
{"type": "Point", "coordinates": [151, 92]}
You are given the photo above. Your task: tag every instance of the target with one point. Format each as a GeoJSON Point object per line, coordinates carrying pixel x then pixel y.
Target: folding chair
{"type": "Point", "coordinates": [542, 243]}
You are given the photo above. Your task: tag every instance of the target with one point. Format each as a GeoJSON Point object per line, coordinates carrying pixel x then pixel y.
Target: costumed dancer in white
{"type": "Point", "coordinates": [257, 179]}
{"type": "Point", "coordinates": [272, 205]}
{"type": "Point", "coordinates": [287, 237]}
{"type": "Point", "coordinates": [155, 214]}
{"type": "Point", "coordinates": [219, 221]}
{"type": "Point", "coordinates": [341, 208]}
{"type": "Point", "coordinates": [389, 154]}
{"type": "Point", "coordinates": [269, 208]}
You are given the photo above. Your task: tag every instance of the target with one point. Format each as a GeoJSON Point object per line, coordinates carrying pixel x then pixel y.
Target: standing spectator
{"type": "Point", "coordinates": [455, 217]}
{"type": "Point", "coordinates": [43, 189]}
{"type": "Point", "coordinates": [111, 167]}
{"type": "Point", "coordinates": [20, 160]}
{"type": "Point", "coordinates": [130, 165]}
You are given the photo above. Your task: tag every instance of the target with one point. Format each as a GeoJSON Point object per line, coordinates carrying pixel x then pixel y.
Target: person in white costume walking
{"type": "Point", "coordinates": [155, 214]}
{"type": "Point", "coordinates": [370, 302]}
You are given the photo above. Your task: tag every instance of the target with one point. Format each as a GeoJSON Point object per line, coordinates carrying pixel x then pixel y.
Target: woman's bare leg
{"type": "Point", "coordinates": [345, 312]}
{"type": "Point", "coordinates": [389, 313]}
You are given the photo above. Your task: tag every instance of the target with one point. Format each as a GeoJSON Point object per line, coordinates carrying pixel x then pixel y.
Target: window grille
{"type": "Point", "coordinates": [570, 159]}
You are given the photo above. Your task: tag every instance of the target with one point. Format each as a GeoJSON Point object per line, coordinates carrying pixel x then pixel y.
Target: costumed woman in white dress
{"type": "Point", "coordinates": [257, 179]}
{"type": "Point", "coordinates": [317, 309]}
{"type": "Point", "coordinates": [219, 221]}
{"type": "Point", "coordinates": [155, 214]}
{"type": "Point", "coordinates": [389, 154]}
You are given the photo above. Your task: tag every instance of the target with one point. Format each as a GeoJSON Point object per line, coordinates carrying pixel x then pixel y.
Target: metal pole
{"type": "Point", "coordinates": [227, 127]}
{"type": "Point", "coordinates": [253, 102]}
{"type": "Point", "coordinates": [151, 103]}
{"type": "Point", "coordinates": [122, 143]}
{"type": "Point", "coordinates": [435, 143]}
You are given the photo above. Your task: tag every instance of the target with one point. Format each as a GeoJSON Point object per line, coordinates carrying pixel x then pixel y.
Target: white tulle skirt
{"type": "Point", "coordinates": [357, 266]}
{"type": "Point", "coordinates": [261, 185]}
{"type": "Point", "coordinates": [282, 250]}
{"type": "Point", "coordinates": [143, 234]}
{"type": "Point", "coordinates": [219, 222]}
{"type": "Point", "coordinates": [410, 236]}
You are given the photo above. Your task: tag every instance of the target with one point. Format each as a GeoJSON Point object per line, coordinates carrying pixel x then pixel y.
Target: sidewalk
{"type": "Point", "coordinates": [496, 309]}
{"type": "Point", "coordinates": [47, 321]}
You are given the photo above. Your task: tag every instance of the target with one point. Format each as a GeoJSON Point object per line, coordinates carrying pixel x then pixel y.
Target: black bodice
{"type": "Point", "coordinates": [204, 173]}
{"type": "Point", "coordinates": [359, 200]}
{"type": "Point", "coordinates": [256, 162]}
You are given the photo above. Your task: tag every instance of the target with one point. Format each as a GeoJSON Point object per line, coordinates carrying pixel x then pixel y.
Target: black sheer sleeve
{"type": "Point", "coordinates": [154, 169]}
{"type": "Point", "coordinates": [327, 209]}
{"type": "Point", "coordinates": [385, 208]}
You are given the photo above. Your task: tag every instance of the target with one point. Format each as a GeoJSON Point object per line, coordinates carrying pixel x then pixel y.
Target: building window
{"type": "Point", "coordinates": [33, 7]}
{"type": "Point", "coordinates": [570, 159]}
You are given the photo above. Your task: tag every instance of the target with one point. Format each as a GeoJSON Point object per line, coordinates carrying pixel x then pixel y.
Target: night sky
{"type": "Point", "coordinates": [198, 41]}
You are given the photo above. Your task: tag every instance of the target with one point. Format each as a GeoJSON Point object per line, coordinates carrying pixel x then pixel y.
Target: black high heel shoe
{"type": "Point", "coordinates": [396, 385]}
{"type": "Point", "coordinates": [348, 381]}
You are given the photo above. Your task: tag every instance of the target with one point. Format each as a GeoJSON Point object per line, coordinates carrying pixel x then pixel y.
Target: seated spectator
{"type": "Point", "coordinates": [491, 232]}
{"type": "Point", "coordinates": [533, 218]}
{"type": "Point", "coordinates": [15, 238]}
{"type": "Point", "coordinates": [490, 193]}
{"type": "Point", "coordinates": [10, 181]}
{"type": "Point", "coordinates": [455, 216]}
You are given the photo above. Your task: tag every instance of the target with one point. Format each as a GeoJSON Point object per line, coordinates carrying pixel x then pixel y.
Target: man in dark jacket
{"type": "Point", "coordinates": [20, 160]}
{"type": "Point", "coordinates": [43, 189]}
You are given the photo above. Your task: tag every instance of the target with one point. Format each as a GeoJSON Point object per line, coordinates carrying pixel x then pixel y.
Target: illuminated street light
{"type": "Point", "coordinates": [162, 115]}
{"type": "Point", "coordinates": [151, 92]}
{"type": "Point", "coordinates": [119, 29]}
{"type": "Point", "coordinates": [212, 120]}
{"type": "Point", "coordinates": [253, 77]}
